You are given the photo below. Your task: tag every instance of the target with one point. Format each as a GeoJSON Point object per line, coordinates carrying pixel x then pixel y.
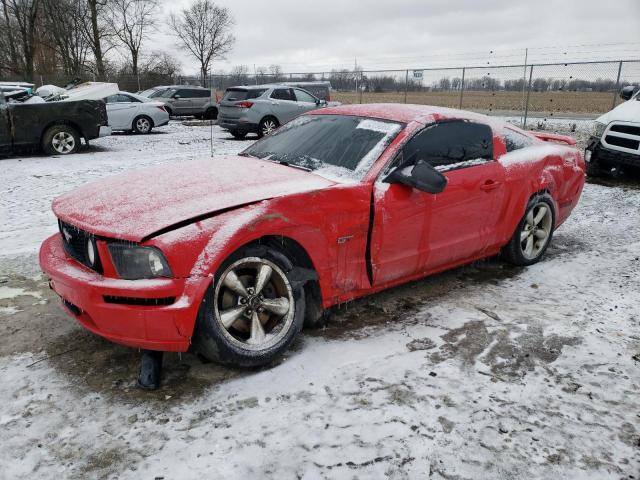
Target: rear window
{"type": "Point", "coordinates": [239, 94]}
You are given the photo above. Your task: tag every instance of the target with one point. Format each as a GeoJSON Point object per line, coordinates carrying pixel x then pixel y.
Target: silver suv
{"type": "Point", "coordinates": [263, 108]}
{"type": "Point", "coordinates": [188, 100]}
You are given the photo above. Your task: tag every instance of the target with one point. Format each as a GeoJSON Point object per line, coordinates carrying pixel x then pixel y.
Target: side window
{"type": "Point", "coordinates": [112, 99]}
{"type": "Point", "coordinates": [450, 145]}
{"type": "Point", "coordinates": [184, 93]}
{"type": "Point", "coordinates": [200, 93]}
{"type": "Point", "coordinates": [515, 141]}
{"type": "Point", "coordinates": [125, 98]}
{"type": "Point", "coordinates": [303, 96]}
{"type": "Point", "coordinates": [283, 94]}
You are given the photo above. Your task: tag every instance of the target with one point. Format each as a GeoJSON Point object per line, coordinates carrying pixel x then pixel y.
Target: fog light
{"type": "Point", "coordinates": [587, 156]}
{"type": "Point", "coordinates": [91, 252]}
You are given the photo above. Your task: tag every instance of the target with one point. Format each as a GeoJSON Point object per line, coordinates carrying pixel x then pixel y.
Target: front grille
{"type": "Point", "coordinates": [75, 244]}
{"type": "Point", "coordinates": [147, 302]}
{"type": "Point", "coordinates": [622, 142]}
{"type": "Point", "coordinates": [629, 129]}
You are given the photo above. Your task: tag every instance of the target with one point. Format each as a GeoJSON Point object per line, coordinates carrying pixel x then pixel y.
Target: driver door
{"type": "Point", "coordinates": [416, 232]}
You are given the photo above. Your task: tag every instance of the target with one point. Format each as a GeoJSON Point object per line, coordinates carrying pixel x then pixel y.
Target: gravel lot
{"type": "Point", "coordinates": [486, 371]}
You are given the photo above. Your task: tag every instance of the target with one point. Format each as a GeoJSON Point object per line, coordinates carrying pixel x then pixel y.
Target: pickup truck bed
{"type": "Point", "coordinates": [49, 125]}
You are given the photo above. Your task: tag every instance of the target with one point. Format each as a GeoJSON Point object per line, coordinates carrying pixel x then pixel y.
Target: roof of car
{"type": "Point", "coordinates": [401, 112]}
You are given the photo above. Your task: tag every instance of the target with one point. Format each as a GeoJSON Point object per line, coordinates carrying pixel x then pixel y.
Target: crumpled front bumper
{"type": "Point", "coordinates": [104, 305]}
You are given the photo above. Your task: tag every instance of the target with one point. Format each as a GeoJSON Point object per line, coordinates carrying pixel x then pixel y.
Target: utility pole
{"type": "Point", "coordinates": [355, 74]}
{"type": "Point", "coordinates": [524, 81]}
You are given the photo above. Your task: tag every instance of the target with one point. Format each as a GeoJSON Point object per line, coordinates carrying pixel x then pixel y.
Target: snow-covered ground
{"type": "Point", "coordinates": [487, 371]}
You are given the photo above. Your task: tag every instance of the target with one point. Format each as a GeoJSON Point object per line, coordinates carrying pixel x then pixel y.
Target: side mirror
{"type": "Point", "coordinates": [320, 102]}
{"type": "Point", "coordinates": [627, 92]}
{"type": "Point", "coordinates": [421, 176]}
{"type": "Point", "coordinates": [176, 97]}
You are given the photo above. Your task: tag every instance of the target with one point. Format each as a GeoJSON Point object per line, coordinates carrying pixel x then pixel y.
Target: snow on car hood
{"type": "Point", "coordinates": [628, 111]}
{"type": "Point", "coordinates": [138, 204]}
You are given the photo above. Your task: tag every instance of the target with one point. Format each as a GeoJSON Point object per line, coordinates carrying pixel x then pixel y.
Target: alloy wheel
{"type": "Point", "coordinates": [63, 142]}
{"type": "Point", "coordinates": [143, 125]}
{"type": "Point", "coordinates": [254, 303]}
{"type": "Point", "coordinates": [536, 230]}
{"type": "Point", "coordinates": [268, 127]}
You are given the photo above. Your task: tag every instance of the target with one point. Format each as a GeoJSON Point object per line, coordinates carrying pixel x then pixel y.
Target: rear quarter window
{"type": "Point", "coordinates": [515, 141]}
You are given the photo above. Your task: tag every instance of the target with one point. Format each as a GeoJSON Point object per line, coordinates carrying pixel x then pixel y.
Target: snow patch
{"type": "Point", "coordinates": [11, 292]}
{"type": "Point", "coordinates": [532, 154]}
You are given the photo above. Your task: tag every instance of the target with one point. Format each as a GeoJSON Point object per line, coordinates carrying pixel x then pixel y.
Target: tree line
{"type": "Point", "coordinates": [107, 39]}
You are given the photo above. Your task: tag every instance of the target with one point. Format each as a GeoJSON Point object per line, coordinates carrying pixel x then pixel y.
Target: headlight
{"type": "Point", "coordinates": [133, 262]}
{"type": "Point", "coordinates": [598, 129]}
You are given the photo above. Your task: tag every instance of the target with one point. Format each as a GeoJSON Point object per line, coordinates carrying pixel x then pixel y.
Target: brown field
{"type": "Point", "coordinates": [545, 103]}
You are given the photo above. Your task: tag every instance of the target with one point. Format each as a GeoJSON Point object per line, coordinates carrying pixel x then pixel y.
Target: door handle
{"type": "Point", "coordinates": [489, 185]}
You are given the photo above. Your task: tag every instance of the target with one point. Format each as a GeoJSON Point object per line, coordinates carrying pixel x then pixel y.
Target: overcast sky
{"type": "Point", "coordinates": [318, 35]}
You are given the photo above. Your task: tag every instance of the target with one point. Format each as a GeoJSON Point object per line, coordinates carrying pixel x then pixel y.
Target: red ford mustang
{"type": "Point", "coordinates": [232, 256]}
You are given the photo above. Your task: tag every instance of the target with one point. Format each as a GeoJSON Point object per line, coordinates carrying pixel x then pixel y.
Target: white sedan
{"type": "Point", "coordinates": [133, 113]}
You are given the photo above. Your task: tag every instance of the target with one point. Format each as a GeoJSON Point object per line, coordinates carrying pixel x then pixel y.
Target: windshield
{"type": "Point", "coordinates": [338, 147]}
{"type": "Point", "coordinates": [148, 92]}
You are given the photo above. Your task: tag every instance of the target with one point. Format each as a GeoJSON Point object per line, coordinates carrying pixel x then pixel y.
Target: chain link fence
{"type": "Point", "coordinates": [582, 89]}
{"type": "Point", "coordinates": [574, 90]}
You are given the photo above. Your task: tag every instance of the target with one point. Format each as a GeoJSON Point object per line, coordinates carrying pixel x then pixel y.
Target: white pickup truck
{"type": "Point", "coordinates": [615, 142]}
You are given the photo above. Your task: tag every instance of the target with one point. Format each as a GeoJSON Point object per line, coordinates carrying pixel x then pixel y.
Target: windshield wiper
{"type": "Point", "coordinates": [292, 165]}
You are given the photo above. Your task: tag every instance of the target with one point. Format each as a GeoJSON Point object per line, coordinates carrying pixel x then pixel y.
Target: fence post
{"type": "Point", "coordinates": [526, 104]}
{"type": "Point", "coordinates": [462, 87]}
{"type": "Point", "coordinates": [406, 85]}
{"type": "Point", "coordinates": [617, 87]}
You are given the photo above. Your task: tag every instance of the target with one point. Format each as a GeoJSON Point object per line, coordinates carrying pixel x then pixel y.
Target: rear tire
{"type": "Point", "coordinates": [211, 113]}
{"type": "Point", "coordinates": [267, 126]}
{"type": "Point", "coordinates": [252, 311]}
{"type": "Point", "coordinates": [533, 234]}
{"type": "Point", "coordinates": [60, 140]}
{"type": "Point", "coordinates": [142, 124]}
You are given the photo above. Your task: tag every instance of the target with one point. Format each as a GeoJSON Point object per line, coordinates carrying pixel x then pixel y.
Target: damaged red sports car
{"type": "Point", "coordinates": [231, 256]}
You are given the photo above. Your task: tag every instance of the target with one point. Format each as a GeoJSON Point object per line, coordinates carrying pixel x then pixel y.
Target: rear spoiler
{"type": "Point", "coordinates": [552, 137]}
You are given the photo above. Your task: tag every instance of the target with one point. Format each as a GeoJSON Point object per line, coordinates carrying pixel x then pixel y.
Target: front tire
{"type": "Point", "coordinates": [238, 135]}
{"type": "Point", "coordinates": [142, 124]}
{"type": "Point", "coordinates": [61, 140]}
{"type": "Point", "coordinates": [533, 234]}
{"type": "Point", "coordinates": [267, 126]}
{"type": "Point", "coordinates": [253, 310]}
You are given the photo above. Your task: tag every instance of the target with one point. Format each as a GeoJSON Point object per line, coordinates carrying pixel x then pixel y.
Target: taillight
{"type": "Point", "coordinates": [161, 107]}
{"type": "Point", "coordinates": [244, 104]}
{"type": "Point", "coordinates": [328, 97]}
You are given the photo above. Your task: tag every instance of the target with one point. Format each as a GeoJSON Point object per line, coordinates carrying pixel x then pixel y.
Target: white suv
{"type": "Point", "coordinates": [615, 142]}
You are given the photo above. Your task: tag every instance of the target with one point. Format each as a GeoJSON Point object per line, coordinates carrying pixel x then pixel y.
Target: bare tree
{"type": "Point", "coordinates": [69, 42]}
{"type": "Point", "coordinates": [276, 73]}
{"type": "Point", "coordinates": [204, 31]}
{"type": "Point", "coordinates": [132, 21]}
{"type": "Point", "coordinates": [98, 33]}
{"type": "Point", "coordinates": [25, 15]}
{"type": "Point", "coordinates": [9, 51]}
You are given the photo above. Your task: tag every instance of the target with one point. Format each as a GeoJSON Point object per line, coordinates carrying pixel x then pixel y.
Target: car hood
{"type": "Point", "coordinates": [139, 204]}
{"type": "Point", "coordinates": [628, 111]}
